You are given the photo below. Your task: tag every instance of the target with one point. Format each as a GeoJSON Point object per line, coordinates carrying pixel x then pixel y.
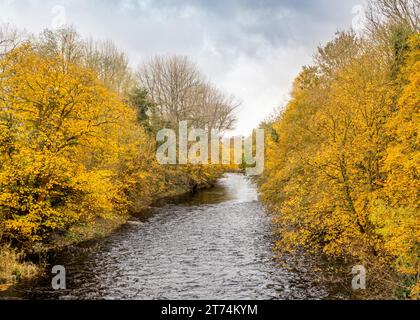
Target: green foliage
{"type": "Point", "coordinates": [140, 101]}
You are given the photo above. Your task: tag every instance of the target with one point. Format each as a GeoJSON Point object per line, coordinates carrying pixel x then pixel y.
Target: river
{"type": "Point", "coordinates": [216, 244]}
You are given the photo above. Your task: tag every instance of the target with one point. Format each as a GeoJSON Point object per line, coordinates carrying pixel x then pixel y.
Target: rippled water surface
{"type": "Point", "coordinates": [216, 244]}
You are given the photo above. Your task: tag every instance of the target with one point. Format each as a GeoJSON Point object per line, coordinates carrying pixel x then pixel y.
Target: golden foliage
{"type": "Point", "coordinates": [71, 151]}
{"type": "Point", "coordinates": [342, 171]}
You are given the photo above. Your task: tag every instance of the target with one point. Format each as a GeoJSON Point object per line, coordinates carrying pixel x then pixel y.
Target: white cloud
{"type": "Point", "coordinates": [251, 49]}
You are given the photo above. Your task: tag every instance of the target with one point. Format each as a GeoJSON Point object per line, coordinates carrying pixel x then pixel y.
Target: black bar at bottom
{"type": "Point", "coordinates": [205, 309]}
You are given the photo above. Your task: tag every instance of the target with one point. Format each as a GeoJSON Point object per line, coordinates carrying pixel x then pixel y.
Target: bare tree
{"type": "Point", "coordinates": [406, 12]}
{"type": "Point", "coordinates": [214, 110]}
{"type": "Point", "coordinates": [172, 83]}
{"type": "Point", "coordinates": [10, 38]}
{"type": "Point", "coordinates": [110, 64]}
{"type": "Point", "coordinates": [389, 23]}
{"type": "Point", "coordinates": [65, 43]}
{"type": "Point", "coordinates": [180, 93]}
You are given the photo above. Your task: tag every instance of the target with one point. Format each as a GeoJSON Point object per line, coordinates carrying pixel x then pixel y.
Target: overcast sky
{"type": "Point", "coordinates": [251, 49]}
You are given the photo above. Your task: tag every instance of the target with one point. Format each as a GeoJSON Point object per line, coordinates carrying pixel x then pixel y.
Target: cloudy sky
{"type": "Point", "coordinates": [252, 49]}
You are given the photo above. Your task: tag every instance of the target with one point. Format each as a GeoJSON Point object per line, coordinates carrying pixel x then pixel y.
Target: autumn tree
{"type": "Point", "coordinates": [65, 140]}
{"type": "Point", "coordinates": [342, 160]}
{"type": "Point", "coordinates": [109, 63]}
{"type": "Point", "coordinates": [77, 143]}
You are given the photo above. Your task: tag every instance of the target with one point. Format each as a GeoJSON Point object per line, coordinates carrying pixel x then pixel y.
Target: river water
{"type": "Point", "coordinates": [216, 244]}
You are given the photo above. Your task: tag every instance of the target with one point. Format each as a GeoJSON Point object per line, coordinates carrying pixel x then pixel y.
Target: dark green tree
{"type": "Point", "coordinates": [139, 99]}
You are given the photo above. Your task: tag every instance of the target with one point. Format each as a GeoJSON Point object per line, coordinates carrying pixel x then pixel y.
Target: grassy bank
{"type": "Point", "coordinates": [13, 267]}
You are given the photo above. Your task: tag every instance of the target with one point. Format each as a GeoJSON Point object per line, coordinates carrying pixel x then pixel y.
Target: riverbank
{"type": "Point", "coordinates": [19, 266]}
